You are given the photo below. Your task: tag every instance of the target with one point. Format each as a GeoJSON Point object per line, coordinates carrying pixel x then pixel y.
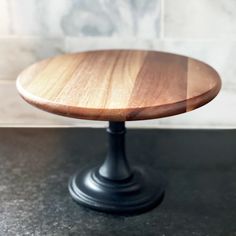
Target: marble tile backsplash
{"type": "Point", "coordinates": [32, 30]}
{"type": "Point", "coordinates": [53, 18]}
{"type": "Point", "coordinates": [16, 53]}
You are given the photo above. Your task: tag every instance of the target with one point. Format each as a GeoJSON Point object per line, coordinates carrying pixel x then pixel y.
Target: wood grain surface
{"type": "Point", "coordinates": [119, 85]}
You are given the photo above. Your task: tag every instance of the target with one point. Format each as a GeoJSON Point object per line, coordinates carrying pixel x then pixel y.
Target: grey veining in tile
{"type": "Point", "coordinates": [85, 18]}
{"type": "Point", "coordinates": [18, 53]}
{"type": "Point", "coordinates": [200, 19]}
{"type": "Point", "coordinates": [113, 18]}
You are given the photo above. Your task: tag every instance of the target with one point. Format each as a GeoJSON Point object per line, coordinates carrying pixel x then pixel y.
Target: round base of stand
{"type": "Point", "coordinates": [136, 194]}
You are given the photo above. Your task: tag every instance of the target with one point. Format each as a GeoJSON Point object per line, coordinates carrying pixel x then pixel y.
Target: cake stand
{"type": "Point", "coordinates": [118, 86]}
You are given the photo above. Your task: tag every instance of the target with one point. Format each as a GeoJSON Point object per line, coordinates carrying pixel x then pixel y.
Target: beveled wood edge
{"type": "Point", "coordinates": [144, 113]}
{"type": "Point", "coordinates": [196, 102]}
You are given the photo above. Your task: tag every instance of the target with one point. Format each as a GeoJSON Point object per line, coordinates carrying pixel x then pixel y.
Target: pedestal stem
{"type": "Point", "coordinates": [116, 166]}
{"type": "Point", "coordinates": [114, 187]}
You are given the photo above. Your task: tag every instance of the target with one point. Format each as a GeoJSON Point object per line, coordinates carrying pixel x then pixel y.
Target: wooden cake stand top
{"type": "Point", "coordinates": [119, 85]}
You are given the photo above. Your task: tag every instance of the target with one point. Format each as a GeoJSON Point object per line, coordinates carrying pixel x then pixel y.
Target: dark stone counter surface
{"type": "Point", "coordinates": [199, 166]}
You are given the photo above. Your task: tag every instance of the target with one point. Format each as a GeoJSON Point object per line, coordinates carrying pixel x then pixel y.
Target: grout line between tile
{"type": "Point", "coordinates": [162, 35]}
{"type": "Point", "coordinates": [162, 20]}
{"type": "Point", "coordinates": [128, 126]}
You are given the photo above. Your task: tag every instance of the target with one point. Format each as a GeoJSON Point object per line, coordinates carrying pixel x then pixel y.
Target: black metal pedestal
{"type": "Point", "coordinates": [115, 187]}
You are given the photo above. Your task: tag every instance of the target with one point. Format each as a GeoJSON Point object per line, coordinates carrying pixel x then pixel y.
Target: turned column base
{"type": "Point", "coordinates": [115, 187]}
{"type": "Point", "coordinates": [139, 193]}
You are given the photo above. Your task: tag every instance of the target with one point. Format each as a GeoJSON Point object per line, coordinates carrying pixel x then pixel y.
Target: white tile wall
{"type": "Point", "coordinates": [38, 18]}
{"type": "Point", "coordinates": [200, 19]}
{"type": "Point", "coordinates": [5, 18]}
{"type": "Point", "coordinates": [16, 53]}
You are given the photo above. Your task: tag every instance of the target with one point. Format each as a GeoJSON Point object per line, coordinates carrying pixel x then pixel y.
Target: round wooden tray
{"type": "Point", "coordinates": [119, 85]}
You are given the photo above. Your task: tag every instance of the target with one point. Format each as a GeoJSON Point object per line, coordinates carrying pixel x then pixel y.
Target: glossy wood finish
{"type": "Point", "coordinates": [119, 85]}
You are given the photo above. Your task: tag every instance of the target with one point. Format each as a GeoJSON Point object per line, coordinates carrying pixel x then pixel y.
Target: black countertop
{"type": "Point", "coordinates": [199, 166]}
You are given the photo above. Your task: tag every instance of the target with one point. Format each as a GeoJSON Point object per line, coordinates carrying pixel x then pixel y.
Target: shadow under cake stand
{"type": "Point", "coordinates": [118, 86]}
